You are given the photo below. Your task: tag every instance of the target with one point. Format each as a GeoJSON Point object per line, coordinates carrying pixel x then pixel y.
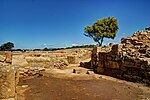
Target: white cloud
{"type": "Point", "coordinates": [74, 44]}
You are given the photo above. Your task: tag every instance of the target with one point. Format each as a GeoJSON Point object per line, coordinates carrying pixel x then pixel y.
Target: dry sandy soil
{"type": "Point", "coordinates": [65, 85]}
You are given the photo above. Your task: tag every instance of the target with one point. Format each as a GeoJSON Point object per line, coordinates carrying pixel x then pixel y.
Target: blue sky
{"type": "Point", "coordinates": [33, 24]}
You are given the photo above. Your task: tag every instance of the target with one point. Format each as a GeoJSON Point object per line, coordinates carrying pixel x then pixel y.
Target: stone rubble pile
{"type": "Point", "coordinates": [47, 62]}
{"type": "Point", "coordinates": [128, 60]}
{"type": "Point", "coordinates": [30, 71]}
{"type": "Point", "coordinates": [137, 45]}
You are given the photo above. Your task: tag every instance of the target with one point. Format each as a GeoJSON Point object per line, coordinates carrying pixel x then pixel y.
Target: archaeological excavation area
{"type": "Point", "coordinates": [116, 72]}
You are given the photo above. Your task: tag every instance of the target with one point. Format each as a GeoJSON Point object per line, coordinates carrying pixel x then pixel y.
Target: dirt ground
{"type": "Point", "coordinates": [59, 86]}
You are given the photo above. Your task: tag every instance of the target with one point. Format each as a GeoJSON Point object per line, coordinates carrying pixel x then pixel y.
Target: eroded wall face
{"type": "Point", "coordinates": [7, 76]}
{"type": "Point", "coordinates": [128, 60]}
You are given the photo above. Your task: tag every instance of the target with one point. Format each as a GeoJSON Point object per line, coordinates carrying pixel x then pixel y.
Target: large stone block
{"type": "Point", "coordinates": [85, 64]}
{"type": "Point", "coordinates": [116, 48]}
{"type": "Point", "coordinates": [72, 59]}
{"type": "Point", "coordinates": [94, 51]}
{"type": "Point", "coordinates": [128, 45]}
{"type": "Point", "coordinates": [101, 64]}
{"type": "Point", "coordinates": [142, 50]}
{"type": "Point", "coordinates": [102, 56]}
{"type": "Point", "coordinates": [7, 81]}
{"type": "Point", "coordinates": [19, 60]}
{"type": "Point", "coordinates": [129, 63]}
{"type": "Point", "coordinates": [2, 58]}
{"type": "Point", "coordinates": [138, 43]}
{"type": "Point", "coordinates": [112, 64]}
{"type": "Point", "coordinates": [100, 70]}
{"type": "Point", "coordinates": [8, 57]}
{"type": "Point", "coordinates": [94, 56]}
{"type": "Point", "coordinates": [123, 68]}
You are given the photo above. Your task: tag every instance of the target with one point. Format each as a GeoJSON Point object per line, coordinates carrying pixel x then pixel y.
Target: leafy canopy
{"type": "Point", "coordinates": [7, 46]}
{"type": "Point", "coordinates": [106, 27]}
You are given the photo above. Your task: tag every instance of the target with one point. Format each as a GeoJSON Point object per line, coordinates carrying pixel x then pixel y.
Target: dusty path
{"type": "Point", "coordinates": [58, 86]}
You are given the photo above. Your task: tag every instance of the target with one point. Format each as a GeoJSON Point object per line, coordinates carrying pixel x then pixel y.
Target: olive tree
{"type": "Point", "coordinates": [103, 28]}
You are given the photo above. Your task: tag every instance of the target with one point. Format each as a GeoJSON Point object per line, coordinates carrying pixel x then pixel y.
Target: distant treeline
{"type": "Point", "coordinates": [83, 46]}
{"type": "Point", "coordinates": [53, 49]}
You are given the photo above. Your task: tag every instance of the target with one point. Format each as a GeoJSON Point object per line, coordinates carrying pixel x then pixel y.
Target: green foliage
{"type": "Point", "coordinates": [82, 46]}
{"type": "Point", "coordinates": [45, 49]}
{"type": "Point", "coordinates": [7, 46]}
{"type": "Point", "coordinates": [104, 28]}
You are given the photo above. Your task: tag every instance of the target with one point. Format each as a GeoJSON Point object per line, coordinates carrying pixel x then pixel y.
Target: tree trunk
{"type": "Point", "coordinates": [99, 44]}
{"type": "Point", "coordinates": [102, 41]}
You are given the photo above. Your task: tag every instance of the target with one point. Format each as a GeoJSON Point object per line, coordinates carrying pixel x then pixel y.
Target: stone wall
{"type": "Point", "coordinates": [128, 60]}
{"type": "Point", "coordinates": [6, 56]}
{"type": "Point", "coordinates": [50, 59]}
{"type": "Point", "coordinates": [7, 81]}
{"type": "Point", "coordinates": [7, 76]}
{"type": "Point", "coordinates": [32, 63]}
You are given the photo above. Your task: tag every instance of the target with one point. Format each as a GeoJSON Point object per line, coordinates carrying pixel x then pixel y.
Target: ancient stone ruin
{"type": "Point", "coordinates": [15, 65]}
{"type": "Point", "coordinates": [7, 76]}
{"type": "Point", "coordinates": [128, 60]}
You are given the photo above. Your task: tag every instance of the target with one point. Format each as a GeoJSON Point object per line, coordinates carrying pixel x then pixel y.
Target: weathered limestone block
{"type": "Point", "coordinates": [94, 57]}
{"type": "Point", "coordinates": [47, 62]}
{"type": "Point", "coordinates": [19, 60]}
{"type": "Point", "coordinates": [138, 43]}
{"type": "Point", "coordinates": [126, 40]}
{"type": "Point", "coordinates": [7, 81]}
{"type": "Point", "coordinates": [2, 58]}
{"type": "Point", "coordinates": [85, 64]}
{"type": "Point", "coordinates": [142, 50]}
{"type": "Point", "coordinates": [123, 68]}
{"type": "Point", "coordinates": [129, 63]}
{"type": "Point", "coordinates": [37, 59]}
{"type": "Point", "coordinates": [134, 38]}
{"type": "Point", "coordinates": [101, 64]}
{"type": "Point", "coordinates": [128, 45]}
{"type": "Point", "coordinates": [109, 58]}
{"type": "Point", "coordinates": [98, 49]}
{"type": "Point", "coordinates": [112, 64]}
{"type": "Point", "coordinates": [102, 56]}
{"type": "Point", "coordinates": [8, 57]}
{"type": "Point", "coordinates": [144, 65]}
{"type": "Point", "coordinates": [100, 70]}
{"type": "Point", "coordinates": [72, 59]}
{"type": "Point", "coordinates": [116, 48]}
